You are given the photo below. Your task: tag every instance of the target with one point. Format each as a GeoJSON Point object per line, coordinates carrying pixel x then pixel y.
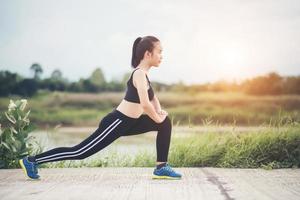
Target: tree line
{"type": "Point", "coordinates": [269, 84]}
{"type": "Point", "coordinates": [15, 84]}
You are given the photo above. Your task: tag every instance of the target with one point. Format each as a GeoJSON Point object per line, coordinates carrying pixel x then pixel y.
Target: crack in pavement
{"type": "Point", "coordinates": [215, 180]}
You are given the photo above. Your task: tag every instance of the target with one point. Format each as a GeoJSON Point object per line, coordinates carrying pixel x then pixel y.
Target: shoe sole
{"type": "Point", "coordinates": [165, 177]}
{"type": "Point", "coordinates": [25, 171]}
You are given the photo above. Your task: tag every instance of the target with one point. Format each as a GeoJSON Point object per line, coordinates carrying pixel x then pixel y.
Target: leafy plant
{"type": "Point", "coordinates": [15, 141]}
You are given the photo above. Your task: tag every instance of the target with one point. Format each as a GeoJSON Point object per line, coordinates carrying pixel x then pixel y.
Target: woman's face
{"type": "Point", "coordinates": [156, 55]}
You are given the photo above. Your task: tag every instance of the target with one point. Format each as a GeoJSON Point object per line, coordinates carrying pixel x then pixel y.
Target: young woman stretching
{"type": "Point", "coordinates": [126, 119]}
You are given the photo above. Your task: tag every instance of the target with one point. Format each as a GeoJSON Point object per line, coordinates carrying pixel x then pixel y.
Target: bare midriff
{"type": "Point", "coordinates": [133, 110]}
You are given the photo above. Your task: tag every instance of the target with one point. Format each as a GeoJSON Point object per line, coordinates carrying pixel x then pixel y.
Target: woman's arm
{"type": "Point", "coordinates": [156, 104]}
{"type": "Point", "coordinates": [139, 77]}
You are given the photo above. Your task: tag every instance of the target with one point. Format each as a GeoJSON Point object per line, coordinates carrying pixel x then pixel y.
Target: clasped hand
{"type": "Point", "coordinates": [162, 112]}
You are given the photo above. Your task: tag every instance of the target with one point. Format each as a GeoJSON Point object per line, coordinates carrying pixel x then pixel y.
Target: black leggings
{"type": "Point", "coordinates": [112, 126]}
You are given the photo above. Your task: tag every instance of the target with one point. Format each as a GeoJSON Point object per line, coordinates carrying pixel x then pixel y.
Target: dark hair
{"type": "Point", "coordinates": [140, 46]}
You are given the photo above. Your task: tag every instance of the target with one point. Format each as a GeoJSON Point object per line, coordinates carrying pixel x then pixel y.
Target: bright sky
{"type": "Point", "coordinates": [203, 41]}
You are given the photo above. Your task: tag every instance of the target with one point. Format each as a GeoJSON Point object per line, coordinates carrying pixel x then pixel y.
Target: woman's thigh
{"type": "Point", "coordinates": [144, 124]}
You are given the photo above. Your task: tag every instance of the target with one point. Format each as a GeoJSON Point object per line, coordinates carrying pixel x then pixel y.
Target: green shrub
{"type": "Point", "coordinates": [15, 141]}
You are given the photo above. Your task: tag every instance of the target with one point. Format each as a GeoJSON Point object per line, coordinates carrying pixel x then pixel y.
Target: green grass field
{"type": "Point", "coordinates": [277, 146]}
{"type": "Point", "coordinates": [81, 109]}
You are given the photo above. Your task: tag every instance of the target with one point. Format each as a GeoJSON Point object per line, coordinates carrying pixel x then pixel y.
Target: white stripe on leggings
{"type": "Point", "coordinates": [57, 154]}
{"type": "Point", "coordinates": [59, 157]}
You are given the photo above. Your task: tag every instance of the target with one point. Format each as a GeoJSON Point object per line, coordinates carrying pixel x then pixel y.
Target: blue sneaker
{"type": "Point", "coordinates": [166, 172]}
{"type": "Point", "coordinates": [29, 168]}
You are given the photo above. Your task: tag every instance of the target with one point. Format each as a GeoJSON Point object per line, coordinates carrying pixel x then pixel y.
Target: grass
{"type": "Point", "coordinates": [270, 148]}
{"type": "Point", "coordinates": [78, 109]}
{"type": "Point", "coordinates": [275, 147]}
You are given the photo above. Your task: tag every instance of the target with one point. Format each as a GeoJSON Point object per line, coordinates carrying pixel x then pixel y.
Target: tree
{"type": "Point", "coordinates": [57, 75]}
{"type": "Point", "coordinates": [8, 82]}
{"type": "Point", "coordinates": [37, 70]}
{"type": "Point", "coordinates": [27, 87]}
{"type": "Point", "coordinates": [270, 84]}
{"type": "Point", "coordinates": [97, 79]}
{"type": "Point", "coordinates": [291, 85]}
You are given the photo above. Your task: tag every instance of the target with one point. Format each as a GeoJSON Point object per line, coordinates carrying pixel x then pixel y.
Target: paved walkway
{"type": "Point", "coordinates": [136, 183]}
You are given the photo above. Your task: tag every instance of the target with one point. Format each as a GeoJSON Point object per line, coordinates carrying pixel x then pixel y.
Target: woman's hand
{"type": "Point", "coordinates": [162, 114]}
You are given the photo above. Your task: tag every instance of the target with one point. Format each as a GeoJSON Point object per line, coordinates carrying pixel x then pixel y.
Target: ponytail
{"type": "Point", "coordinates": [134, 62]}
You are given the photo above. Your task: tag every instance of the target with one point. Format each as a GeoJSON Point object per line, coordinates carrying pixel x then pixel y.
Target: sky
{"type": "Point", "coordinates": [203, 41]}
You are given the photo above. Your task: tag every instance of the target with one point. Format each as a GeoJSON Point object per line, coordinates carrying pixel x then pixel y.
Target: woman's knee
{"type": "Point", "coordinates": [167, 123]}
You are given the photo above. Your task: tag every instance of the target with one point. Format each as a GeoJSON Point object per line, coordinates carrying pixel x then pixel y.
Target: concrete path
{"type": "Point", "coordinates": [136, 183]}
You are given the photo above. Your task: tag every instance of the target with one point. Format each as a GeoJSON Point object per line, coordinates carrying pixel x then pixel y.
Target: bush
{"type": "Point", "coordinates": [15, 141]}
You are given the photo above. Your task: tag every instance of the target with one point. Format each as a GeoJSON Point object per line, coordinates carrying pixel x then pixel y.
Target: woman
{"type": "Point", "coordinates": [126, 119]}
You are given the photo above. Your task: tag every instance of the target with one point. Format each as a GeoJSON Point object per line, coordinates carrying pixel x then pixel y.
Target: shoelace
{"type": "Point", "coordinates": [169, 169]}
{"type": "Point", "coordinates": [34, 167]}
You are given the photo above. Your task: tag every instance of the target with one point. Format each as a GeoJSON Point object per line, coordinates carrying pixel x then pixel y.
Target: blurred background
{"type": "Point", "coordinates": [71, 53]}
{"type": "Point", "coordinates": [225, 63]}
